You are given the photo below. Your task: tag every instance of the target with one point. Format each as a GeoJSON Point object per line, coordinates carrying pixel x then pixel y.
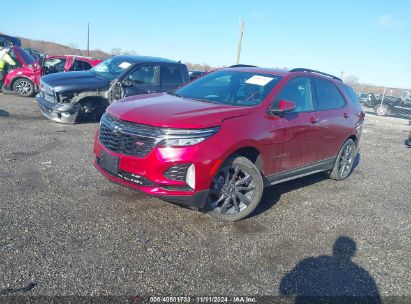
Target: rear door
{"type": "Point", "coordinates": [144, 79]}
{"type": "Point", "coordinates": [80, 65]}
{"type": "Point", "coordinates": [172, 76]}
{"type": "Point", "coordinates": [295, 134]}
{"type": "Point", "coordinates": [77, 65]}
{"type": "Point", "coordinates": [335, 120]}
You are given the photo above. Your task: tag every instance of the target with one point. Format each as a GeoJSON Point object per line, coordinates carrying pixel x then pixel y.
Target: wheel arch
{"type": "Point", "coordinates": [94, 102]}
{"type": "Point", "coordinates": [354, 138]}
{"type": "Point", "coordinates": [251, 153]}
{"type": "Point", "coordinates": [12, 82]}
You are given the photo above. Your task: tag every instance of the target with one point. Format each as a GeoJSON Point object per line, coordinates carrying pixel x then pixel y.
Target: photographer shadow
{"type": "Point", "coordinates": [4, 113]}
{"type": "Point", "coordinates": [331, 279]}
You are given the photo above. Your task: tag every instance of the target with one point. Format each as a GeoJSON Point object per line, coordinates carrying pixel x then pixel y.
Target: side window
{"type": "Point", "coordinates": [147, 74]}
{"type": "Point", "coordinates": [327, 95]}
{"type": "Point", "coordinates": [298, 90]}
{"type": "Point", "coordinates": [171, 75]}
{"type": "Point", "coordinates": [77, 65]}
{"type": "Point", "coordinates": [86, 65]}
{"type": "Point", "coordinates": [353, 97]}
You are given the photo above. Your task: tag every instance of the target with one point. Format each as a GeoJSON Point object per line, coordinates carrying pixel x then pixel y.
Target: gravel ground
{"type": "Point", "coordinates": [66, 230]}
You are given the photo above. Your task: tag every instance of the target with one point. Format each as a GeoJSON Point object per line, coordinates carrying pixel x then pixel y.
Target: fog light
{"type": "Point", "coordinates": [191, 176]}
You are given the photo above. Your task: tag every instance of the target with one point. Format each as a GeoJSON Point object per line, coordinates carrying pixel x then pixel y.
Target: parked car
{"type": "Point", "coordinates": [389, 105]}
{"type": "Point", "coordinates": [72, 97]}
{"type": "Point", "coordinates": [195, 74]}
{"type": "Point", "coordinates": [9, 41]}
{"type": "Point", "coordinates": [363, 97]}
{"type": "Point", "coordinates": [36, 54]}
{"type": "Point", "coordinates": [25, 78]}
{"type": "Point", "coordinates": [408, 141]}
{"type": "Point", "coordinates": [215, 143]}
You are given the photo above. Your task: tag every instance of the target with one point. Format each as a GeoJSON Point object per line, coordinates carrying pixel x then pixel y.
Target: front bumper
{"type": "Point", "coordinates": [192, 199]}
{"type": "Point", "coordinates": [147, 174]}
{"type": "Point", "coordinates": [62, 113]}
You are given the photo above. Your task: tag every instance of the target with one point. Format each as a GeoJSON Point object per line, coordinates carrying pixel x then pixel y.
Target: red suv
{"type": "Point", "coordinates": [24, 79]}
{"type": "Point", "coordinates": [216, 142]}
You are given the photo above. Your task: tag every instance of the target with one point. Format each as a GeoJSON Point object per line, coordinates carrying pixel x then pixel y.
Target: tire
{"type": "Point", "coordinates": [235, 191]}
{"type": "Point", "coordinates": [344, 163]}
{"type": "Point", "coordinates": [382, 110]}
{"type": "Point", "coordinates": [23, 87]}
{"type": "Point", "coordinates": [91, 110]}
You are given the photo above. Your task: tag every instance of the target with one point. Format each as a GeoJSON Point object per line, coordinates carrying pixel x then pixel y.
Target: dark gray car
{"type": "Point", "coordinates": [74, 96]}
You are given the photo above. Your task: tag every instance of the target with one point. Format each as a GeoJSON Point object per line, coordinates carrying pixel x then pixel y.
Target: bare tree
{"type": "Point", "coordinates": [351, 79]}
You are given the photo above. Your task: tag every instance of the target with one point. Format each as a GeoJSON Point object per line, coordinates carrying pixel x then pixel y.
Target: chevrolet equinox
{"type": "Point", "coordinates": [215, 143]}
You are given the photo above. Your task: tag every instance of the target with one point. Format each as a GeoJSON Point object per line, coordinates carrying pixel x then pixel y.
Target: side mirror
{"type": "Point", "coordinates": [283, 107]}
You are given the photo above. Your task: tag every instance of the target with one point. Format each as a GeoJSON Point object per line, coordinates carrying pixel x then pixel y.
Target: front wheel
{"type": "Point", "coordinates": [23, 87]}
{"type": "Point", "coordinates": [235, 191]}
{"type": "Point", "coordinates": [382, 110]}
{"type": "Point", "coordinates": [345, 161]}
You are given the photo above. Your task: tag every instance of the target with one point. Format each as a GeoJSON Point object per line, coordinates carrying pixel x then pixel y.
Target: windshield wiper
{"type": "Point", "coordinates": [205, 100]}
{"type": "Point", "coordinates": [174, 94]}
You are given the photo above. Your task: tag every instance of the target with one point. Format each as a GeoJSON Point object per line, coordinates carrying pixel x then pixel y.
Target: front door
{"type": "Point", "coordinates": [295, 134]}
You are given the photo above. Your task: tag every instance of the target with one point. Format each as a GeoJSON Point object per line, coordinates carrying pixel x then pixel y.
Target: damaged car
{"type": "Point", "coordinates": [77, 96]}
{"type": "Point", "coordinates": [24, 78]}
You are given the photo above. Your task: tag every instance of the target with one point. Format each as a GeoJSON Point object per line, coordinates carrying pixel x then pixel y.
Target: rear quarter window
{"type": "Point", "coordinates": [327, 95]}
{"type": "Point", "coordinates": [353, 97]}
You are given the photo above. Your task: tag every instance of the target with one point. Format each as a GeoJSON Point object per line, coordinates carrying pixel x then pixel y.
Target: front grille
{"type": "Point", "coordinates": [130, 177]}
{"type": "Point", "coordinates": [127, 138]}
{"type": "Point", "coordinates": [177, 172]}
{"type": "Point", "coordinates": [48, 93]}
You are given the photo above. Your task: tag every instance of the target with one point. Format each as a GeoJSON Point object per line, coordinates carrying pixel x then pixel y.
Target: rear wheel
{"type": "Point", "coordinates": [23, 87]}
{"type": "Point", "coordinates": [344, 162]}
{"type": "Point", "coordinates": [235, 191]}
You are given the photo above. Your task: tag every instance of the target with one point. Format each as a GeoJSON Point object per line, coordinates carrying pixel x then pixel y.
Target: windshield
{"type": "Point", "coordinates": [231, 87]}
{"type": "Point", "coordinates": [111, 68]}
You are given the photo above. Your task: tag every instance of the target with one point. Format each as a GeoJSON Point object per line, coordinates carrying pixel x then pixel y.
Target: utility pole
{"type": "Point", "coordinates": [240, 40]}
{"type": "Point", "coordinates": [342, 74]}
{"type": "Point", "coordinates": [88, 39]}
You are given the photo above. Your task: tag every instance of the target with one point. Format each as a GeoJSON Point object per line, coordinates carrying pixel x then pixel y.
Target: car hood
{"type": "Point", "coordinates": [162, 109]}
{"type": "Point", "coordinates": [75, 81]}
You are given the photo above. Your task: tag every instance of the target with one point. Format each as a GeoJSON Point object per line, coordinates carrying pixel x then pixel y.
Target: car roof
{"type": "Point", "coordinates": [276, 72]}
{"type": "Point", "coordinates": [281, 72]}
{"type": "Point", "coordinates": [141, 59]}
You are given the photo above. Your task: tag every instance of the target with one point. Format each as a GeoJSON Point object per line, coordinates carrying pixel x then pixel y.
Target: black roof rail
{"type": "Point", "coordinates": [314, 71]}
{"type": "Point", "coordinates": [243, 66]}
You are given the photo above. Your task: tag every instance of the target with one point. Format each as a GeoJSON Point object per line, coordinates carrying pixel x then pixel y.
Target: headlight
{"type": "Point", "coordinates": [185, 137]}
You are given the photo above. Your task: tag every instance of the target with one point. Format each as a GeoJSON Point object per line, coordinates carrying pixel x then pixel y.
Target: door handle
{"type": "Point", "coordinates": [149, 92]}
{"type": "Point", "coordinates": [346, 115]}
{"type": "Point", "coordinates": [314, 120]}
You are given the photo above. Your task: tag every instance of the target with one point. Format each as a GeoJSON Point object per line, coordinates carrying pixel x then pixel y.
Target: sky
{"type": "Point", "coordinates": [368, 39]}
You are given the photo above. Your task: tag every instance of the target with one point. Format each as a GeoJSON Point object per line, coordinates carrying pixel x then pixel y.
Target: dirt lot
{"type": "Point", "coordinates": [64, 229]}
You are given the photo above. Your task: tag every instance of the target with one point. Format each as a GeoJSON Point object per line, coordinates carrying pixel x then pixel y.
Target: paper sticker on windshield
{"type": "Point", "coordinates": [124, 65]}
{"type": "Point", "coordinates": [259, 80]}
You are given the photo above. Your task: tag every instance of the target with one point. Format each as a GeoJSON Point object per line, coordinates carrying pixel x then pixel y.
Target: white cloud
{"type": "Point", "coordinates": [389, 21]}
